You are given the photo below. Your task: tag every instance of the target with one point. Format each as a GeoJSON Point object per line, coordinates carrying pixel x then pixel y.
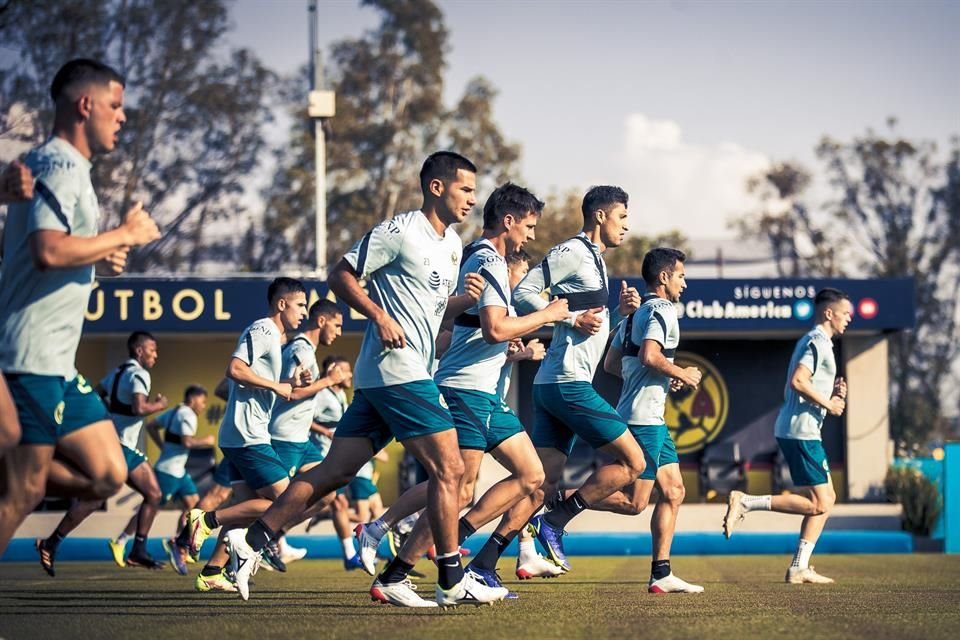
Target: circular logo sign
{"type": "Point", "coordinates": [696, 416]}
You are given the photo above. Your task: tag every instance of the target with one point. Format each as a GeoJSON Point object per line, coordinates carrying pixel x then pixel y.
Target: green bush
{"type": "Point", "coordinates": [919, 497]}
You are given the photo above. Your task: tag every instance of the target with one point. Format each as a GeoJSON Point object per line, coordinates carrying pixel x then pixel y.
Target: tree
{"type": "Point", "coordinates": [194, 119]}
{"type": "Point", "coordinates": [390, 116]}
{"type": "Point", "coordinates": [896, 213]}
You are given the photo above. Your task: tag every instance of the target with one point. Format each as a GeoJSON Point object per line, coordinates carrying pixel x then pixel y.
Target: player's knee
{"type": "Point", "coordinates": [450, 470]}
{"type": "Point", "coordinates": [674, 493]}
{"type": "Point", "coordinates": [108, 483]}
{"type": "Point", "coordinates": [153, 496]}
{"type": "Point", "coordinates": [530, 481]}
{"type": "Point", "coordinates": [634, 465]}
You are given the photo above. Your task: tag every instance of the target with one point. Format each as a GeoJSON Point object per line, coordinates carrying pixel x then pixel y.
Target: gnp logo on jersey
{"type": "Point", "coordinates": [434, 280]}
{"type": "Point", "coordinates": [696, 417]}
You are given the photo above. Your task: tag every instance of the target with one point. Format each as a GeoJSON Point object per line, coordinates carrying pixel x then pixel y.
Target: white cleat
{"type": "Point", "coordinates": [796, 575]}
{"type": "Point", "coordinates": [735, 513]}
{"type": "Point", "coordinates": [290, 554]}
{"type": "Point", "coordinates": [469, 591]}
{"type": "Point", "coordinates": [538, 567]}
{"type": "Point", "coordinates": [368, 544]}
{"type": "Point", "coordinates": [243, 559]}
{"type": "Point", "coordinates": [399, 594]}
{"type": "Point", "coordinates": [672, 584]}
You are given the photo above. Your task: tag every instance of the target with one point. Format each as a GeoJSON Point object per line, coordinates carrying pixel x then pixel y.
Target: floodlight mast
{"type": "Point", "coordinates": [321, 104]}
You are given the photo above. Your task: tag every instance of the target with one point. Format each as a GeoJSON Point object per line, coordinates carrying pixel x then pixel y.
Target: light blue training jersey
{"type": "Point", "coordinates": [181, 421]}
{"type": "Point", "coordinates": [411, 271]}
{"type": "Point", "coordinates": [290, 420]}
{"type": "Point", "coordinates": [121, 384]}
{"type": "Point", "coordinates": [471, 362]}
{"type": "Point", "coordinates": [644, 395]}
{"type": "Point", "coordinates": [246, 420]}
{"type": "Point", "coordinates": [800, 419]}
{"type": "Point", "coordinates": [575, 270]}
{"type": "Point", "coordinates": [41, 311]}
{"type": "Point", "coordinates": [329, 405]}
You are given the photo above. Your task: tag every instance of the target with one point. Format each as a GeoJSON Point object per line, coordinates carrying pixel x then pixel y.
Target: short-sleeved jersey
{"type": "Point", "coordinates": [329, 405]}
{"type": "Point", "coordinates": [644, 394]}
{"type": "Point", "coordinates": [246, 420]}
{"type": "Point", "coordinates": [410, 271]}
{"type": "Point", "coordinates": [179, 421]}
{"type": "Point", "coordinates": [471, 362]}
{"type": "Point", "coordinates": [575, 270]}
{"type": "Point", "coordinates": [290, 420]}
{"type": "Point", "coordinates": [799, 418]}
{"type": "Point", "coordinates": [41, 311]}
{"type": "Point", "coordinates": [121, 384]}
{"type": "Point", "coordinates": [503, 382]}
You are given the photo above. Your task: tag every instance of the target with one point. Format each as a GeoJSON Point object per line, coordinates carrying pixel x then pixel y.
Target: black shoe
{"type": "Point", "coordinates": [143, 559]}
{"type": "Point", "coordinates": [46, 557]}
{"type": "Point", "coordinates": [271, 553]}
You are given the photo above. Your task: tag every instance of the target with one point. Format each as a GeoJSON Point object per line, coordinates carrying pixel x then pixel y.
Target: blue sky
{"type": "Point", "coordinates": [676, 101]}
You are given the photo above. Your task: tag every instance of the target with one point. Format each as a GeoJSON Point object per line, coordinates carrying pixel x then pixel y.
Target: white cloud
{"type": "Point", "coordinates": [677, 185]}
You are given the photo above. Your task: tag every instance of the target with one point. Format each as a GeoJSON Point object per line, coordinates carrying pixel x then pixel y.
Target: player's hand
{"type": "Point", "coordinates": [302, 376]}
{"type": "Point", "coordinates": [676, 384]}
{"type": "Point", "coordinates": [514, 347]}
{"type": "Point", "coordinates": [629, 299]}
{"type": "Point", "coordinates": [589, 322]}
{"type": "Point", "coordinates": [113, 264]}
{"type": "Point", "coordinates": [473, 284]}
{"type": "Point", "coordinates": [139, 226]}
{"type": "Point", "coordinates": [161, 400]}
{"type": "Point", "coordinates": [284, 390]}
{"type": "Point", "coordinates": [391, 333]}
{"type": "Point", "coordinates": [840, 388]}
{"type": "Point", "coordinates": [836, 406]}
{"type": "Point", "coordinates": [535, 350]}
{"type": "Point", "coordinates": [557, 310]}
{"type": "Point", "coordinates": [16, 183]}
{"type": "Point", "coordinates": [690, 376]}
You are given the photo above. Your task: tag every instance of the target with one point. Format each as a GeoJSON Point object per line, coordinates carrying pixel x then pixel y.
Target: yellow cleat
{"type": "Point", "coordinates": [118, 550]}
{"type": "Point", "coordinates": [199, 531]}
{"type": "Point", "coordinates": [219, 582]}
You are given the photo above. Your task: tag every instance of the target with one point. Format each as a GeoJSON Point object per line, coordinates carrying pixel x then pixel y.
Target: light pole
{"type": "Point", "coordinates": [321, 104]}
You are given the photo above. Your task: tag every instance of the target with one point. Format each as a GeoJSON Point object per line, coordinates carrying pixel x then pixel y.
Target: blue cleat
{"type": "Point", "coordinates": [489, 578]}
{"type": "Point", "coordinates": [353, 563]}
{"type": "Point", "coordinates": [552, 540]}
{"type": "Point", "coordinates": [177, 556]}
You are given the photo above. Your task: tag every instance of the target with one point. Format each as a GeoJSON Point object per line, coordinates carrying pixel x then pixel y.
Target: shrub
{"type": "Point", "coordinates": [919, 497]}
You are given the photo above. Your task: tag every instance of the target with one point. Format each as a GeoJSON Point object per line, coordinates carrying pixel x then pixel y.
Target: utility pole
{"type": "Point", "coordinates": [321, 104]}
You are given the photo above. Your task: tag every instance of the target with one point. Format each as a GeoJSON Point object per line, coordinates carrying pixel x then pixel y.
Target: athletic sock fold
{"type": "Point", "coordinates": [53, 541]}
{"type": "Point", "coordinates": [396, 571]}
{"type": "Point", "coordinates": [660, 569]}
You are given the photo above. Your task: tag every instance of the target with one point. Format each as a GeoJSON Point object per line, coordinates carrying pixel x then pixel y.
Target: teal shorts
{"type": "Point", "coordinates": [482, 421]}
{"type": "Point", "coordinates": [172, 487]}
{"type": "Point", "coordinates": [50, 407]}
{"type": "Point", "coordinates": [658, 448]}
{"type": "Point", "coordinates": [807, 460]}
{"type": "Point", "coordinates": [133, 457]}
{"type": "Point", "coordinates": [257, 465]}
{"type": "Point", "coordinates": [361, 489]}
{"type": "Point", "coordinates": [221, 474]}
{"type": "Point", "coordinates": [401, 411]}
{"type": "Point", "coordinates": [295, 455]}
{"type": "Point", "coordinates": [566, 410]}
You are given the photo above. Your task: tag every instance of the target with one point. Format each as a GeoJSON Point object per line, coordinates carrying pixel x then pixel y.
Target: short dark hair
{"type": "Point", "coordinates": [136, 339]}
{"type": "Point", "coordinates": [509, 198]}
{"type": "Point", "coordinates": [83, 71]}
{"type": "Point", "coordinates": [325, 307]}
{"type": "Point", "coordinates": [192, 391]}
{"type": "Point", "coordinates": [601, 197]}
{"type": "Point", "coordinates": [443, 165]}
{"type": "Point", "coordinates": [827, 296]}
{"type": "Point", "coordinates": [520, 256]}
{"type": "Point", "coordinates": [282, 286]}
{"type": "Point", "coordinates": [331, 360]}
{"type": "Point", "coordinates": [659, 260]}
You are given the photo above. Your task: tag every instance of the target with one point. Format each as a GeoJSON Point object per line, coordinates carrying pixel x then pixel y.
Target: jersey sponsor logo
{"type": "Point", "coordinates": [440, 307]}
{"type": "Point", "coordinates": [696, 417]}
{"type": "Point", "coordinates": [454, 258]}
{"type": "Point", "coordinates": [392, 227]}
{"type": "Point", "coordinates": [435, 280]}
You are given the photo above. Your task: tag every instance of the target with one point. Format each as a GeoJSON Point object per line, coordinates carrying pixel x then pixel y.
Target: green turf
{"type": "Point", "coordinates": [876, 597]}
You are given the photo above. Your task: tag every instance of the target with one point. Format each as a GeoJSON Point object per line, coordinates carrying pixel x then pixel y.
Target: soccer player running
{"type": "Point", "coordinates": [51, 248]}
{"type": "Point", "coordinates": [468, 376]}
{"type": "Point", "coordinates": [410, 263]}
{"type": "Point", "coordinates": [565, 403]}
{"type": "Point", "coordinates": [257, 473]}
{"type": "Point", "coordinates": [126, 391]}
{"type": "Point", "coordinates": [812, 390]}
{"type": "Point", "coordinates": [642, 354]}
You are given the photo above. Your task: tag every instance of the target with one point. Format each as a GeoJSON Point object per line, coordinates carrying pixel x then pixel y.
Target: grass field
{"type": "Point", "coordinates": [877, 597]}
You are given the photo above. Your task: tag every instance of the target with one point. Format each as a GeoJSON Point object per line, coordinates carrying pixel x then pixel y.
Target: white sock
{"type": "Point", "coordinates": [282, 545]}
{"type": "Point", "coordinates": [348, 549]}
{"type": "Point", "coordinates": [527, 551]}
{"type": "Point", "coordinates": [801, 558]}
{"type": "Point", "coordinates": [755, 503]}
{"type": "Point", "coordinates": [122, 537]}
{"type": "Point", "coordinates": [378, 528]}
